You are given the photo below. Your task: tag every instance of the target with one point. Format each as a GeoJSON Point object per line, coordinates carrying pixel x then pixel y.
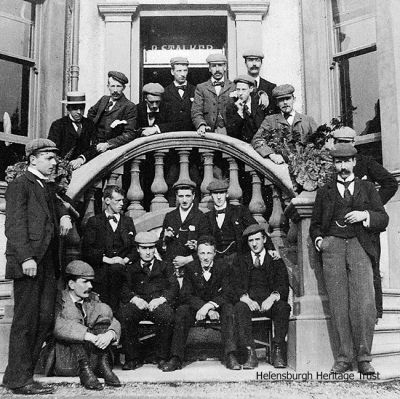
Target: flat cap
{"type": "Point", "coordinates": [282, 91]}
{"type": "Point", "coordinates": [119, 76]}
{"type": "Point", "coordinates": [217, 58]}
{"type": "Point", "coordinates": [75, 97]}
{"type": "Point", "coordinates": [344, 133]}
{"type": "Point", "coordinates": [146, 238]}
{"type": "Point", "coordinates": [218, 186]}
{"type": "Point", "coordinates": [80, 268]}
{"type": "Point", "coordinates": [343, 150]}
{"type": "Point", "coordinates": [179, 60]}
{"type": "Point", "coordinates": [253, 53]}
{"type": "Point", "coordinates": [154, 89]}
{"type": "Point", "coordinates": [253, 229]}
{"type": "Point", "coordinates": [185, 183]}
{"type": "Point", "coordinates": [40, 145]}
{"type": "Point", "coordinates": [245, 79]}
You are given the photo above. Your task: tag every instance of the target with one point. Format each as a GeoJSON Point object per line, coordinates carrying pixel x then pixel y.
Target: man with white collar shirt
{"type": "Point", "coordinates": [296, 127]}
{"type": "Point", "coordinates": [347, 215]}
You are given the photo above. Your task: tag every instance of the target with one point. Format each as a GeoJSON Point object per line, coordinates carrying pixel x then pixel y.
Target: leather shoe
{"type": "Point", "coordinates": [279, 362]}
{"type": "Point", "coordinates": [161, 363]}
{"type": "Point", "coordinates": [231, 362]}
{"type": "Point", "coordinates": [87, 377]}
{"type": "Point", "coordinates": [341, 367]}
{"type": "Point", "coordinates": [366, 368]}
{"type": "Point", "coordinates": [173, 364]}
{"type": "Point", "coordinates": [132, 364]}
{"type": "Point", "coordinates": [104, 370]}
{"type": "Point", "coordinates": [252, 361]}
{"type": "Point", "coordinates": [33, 388]}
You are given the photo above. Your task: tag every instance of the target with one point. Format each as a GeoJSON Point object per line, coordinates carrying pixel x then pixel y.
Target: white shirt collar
{"type": "Point", "coordinates": [149, 110]}
{"type": "Point", "coordinates": [215, 80]}
{"type": "Point", "coordinates": [74, 300]}
{"type": "Point", "coordinates": [262, 256]}
{"type": "Point", "coordinates": [257, 79]}
{"type": "Point", "coordinates": [180, 84]}
{"type": "Point", "coordinates": [218, 208]}
{"type": "Point", "coordinates": [184, 213]}
{"type": "Point", "coordinates": [37, 173]}
{"type": "Point", "coordinates": [351, 177]}
{"type": "Point", "coordinates": [117, 215]}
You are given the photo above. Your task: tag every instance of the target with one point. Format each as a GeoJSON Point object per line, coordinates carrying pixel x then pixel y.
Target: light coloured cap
{"type": "Point", "coordinates": [253, 53]}
{"type": "Point", "coordinates": [75, 97]}
{"type": "Point", "coordinates": [185, 183]}
{"type": "Point", "coordinates": [119, 76]}
{"type": "Point", "coordinates": [146, 239]}
{"type": "Point", "coordinates": [344, 133]}
{"type": "Point", "coordinates": [179, 60]}
{"type": "Point", "coordinates": [343, 150]}
{"type": "Point", "coordinates": [218, 58]}
{"type": "Point", "coordinates": [283, 91]}
{"type": "Point", "coordinates": [40, 145]}
{"type": "Point", "coordinates": [253, 229]}
{"type": "Point", "coordinates": [245, 79]}
{"type": "Point", "coordinates": [218, 186]}
{"type": "Point", "coordinates": [154, 89]}
{"type": "Point", "coordinates": [80, 268]}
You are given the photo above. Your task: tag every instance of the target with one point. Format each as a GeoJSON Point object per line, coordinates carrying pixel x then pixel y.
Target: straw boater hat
{"type": "Point", "coordinates": [75, 97]}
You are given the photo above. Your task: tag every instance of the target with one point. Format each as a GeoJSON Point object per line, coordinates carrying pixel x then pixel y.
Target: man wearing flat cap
{"type": "Point", "coordinates": [85, 329]}
{"type": "Point", "coordinates": [114, 115]}
{"type": "Point", "coordinates": [263, 88]}
{"type": "Point", "coordinates": [148, 293]}
{"type": "Point", "coordinates": [296, 128]}
{"type": "Point", "coordinates": [75, 136]}
{"type": "Point", "coordinates": [347, 214]}
{"type": "Point", "coordinates": [261, 287]}
{"type": "Point", "coordinates": [35, 219]}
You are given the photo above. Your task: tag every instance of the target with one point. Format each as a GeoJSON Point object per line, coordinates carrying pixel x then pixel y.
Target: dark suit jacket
{"type": "Point", "coordinates": [238, 217]}
{"type": "Point", "coordinates": [274, 272]}
{"type": "Point", "coordinates": [67, 140]}
{"type": "Point", "coordinates": [204, 108]}
{"type": "Point", "coordinates": [160, 282]}
{"type": "Point", "coordinates": [267, 87]}
{"type": "Point", "coordinates": [94, 241]}
{"type": "Point", "coordinates": [122, 110]}
{"type": "Point", "coordinates": [194, 226]}
{"type": "Point", "coordinates": [160, 117]}
{"type": "Point", "coordinates": [215, 290]}
{"type": "Point", "coordinates": [29, 225]}
{"type": "Point", "coordinates": [365, 198]}
{"type": "Point", "coordinates": [367, 167]}
{"type": "Point", "coordinates": [244, 128]}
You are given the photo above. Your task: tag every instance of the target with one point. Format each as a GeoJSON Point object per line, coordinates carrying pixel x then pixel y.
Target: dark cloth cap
{"type": "Point", "coordinates": [40, 145]}
{"type": "Point", "coordinates": [118, 76]}
{"type": "Point", "coordinates": [185, 183]}
{"type": "Point", "coordinates": [253, 53]}
{"type": "Point", "coordinates": [245, 79]}
{"type": "Point", "coordinates": [344, 133]}
{"type": "Point", "coordinates": [343, 150]}
{"type": "Point", "coordinates": [80, 268]}
{"type": "Point", "coordinates": [146, 238]}
{"type": "Point", "coordinates": [218, 58]}
{"type": "Point", "coordinates": [282, 91]}
{"type": "Point", "coordinates": [253, 229]}
{"type": "Point", "coordinates": [179, 60]}
{"type": "Point", "coordinates": [218, 186]}
{"type": "Point", "coordinates": [154, 89]}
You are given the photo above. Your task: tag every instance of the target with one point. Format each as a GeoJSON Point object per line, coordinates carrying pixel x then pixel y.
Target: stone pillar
{"type": "Point", "coordinates": [257, 205]}
{"type": "Point", "coordinates": [310, 338]}
{"type": "Point", "coordinates": [115, 178]}
{"type": "Point", "coordinates": [234, 191]}
{"type": "Point", "coordinates": [248, 18]}
{"type": "Point", "coordinates": [135, 193]}
{"type": "Point", "coordinates": [184, 164]}
{"type": "Point", "coordinates": [159, 186]}
{"type": "Point", "coordinates": [277, 219]}
{"type": "Point", "coordinates": [208, 162]}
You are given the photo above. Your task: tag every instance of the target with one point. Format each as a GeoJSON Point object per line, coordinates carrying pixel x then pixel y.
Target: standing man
{"type": "Point", "coordinates": [148, 293]}
{"type": "Point", "coordinates": [34, 221]}
{"type": "Point", "coordinates": [295, 127]}
{"type": "Point", "coordinates": [261, 289]}
{"type": "Point", "coordinates": [114, 115]}
{"type": "Point", "coordinates": [368, 169]}
{"type": "Point", "coordinates": [346, 216]}
{"type": "Point", "coordinates": [253, 60]}
{"type": "Point", "coordinates": [109, 245]}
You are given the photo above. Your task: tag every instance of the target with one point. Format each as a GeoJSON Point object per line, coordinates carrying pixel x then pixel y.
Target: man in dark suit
{"type": "Point", "coordinates": [182, 227]}
{"type": "Point", "coordinates": [84, 330]}
{"type": "Point", "coordinates": [114, 115]}
{"type": "Point", "coordinates": [208, 299]}
{"type": "Point", "coordinates": [109, 245]}
{"type": "Point", "coordinates": [74, 135]}
{"type": "Point", "coordinates": [34, 220]}
{"type": "Point", "coordinates": [346, 217]}
{"type": "Point", "coordinates": [261, 287]}
{"type": "Point", "coordinates": [368, 169]}
{"type": "Point", "coordinates": [148, 293]}
{"type": "Point", "coordinates": [263, 88]}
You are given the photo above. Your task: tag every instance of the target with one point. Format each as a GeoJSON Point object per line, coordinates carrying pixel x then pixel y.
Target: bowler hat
{"type": "Point", "coordinates": [344, 133]}
{"type": "Point", "coordinates": [253, 53]}
{"type": "Point", "coordinates": [80, 268]}
{"type": "Point", "coordinates": [153, 88]}
{"type": "Point", "coordinates": [253, 229]}
{"type": "Point", "coordinates": [146, 238]}
{"type": "Point", "coordinates": [283, 91]}
{"type": "Point", "coordinates": [184, 183]}
{"type": "Point", "coordinates": [119, 76]}
{"type": "Point", "coordinates": [40, 145]}
{"type": "Point", "coordinates": [218, 58]}
{"type": "Point", "coordinates": [245, 79]}
{"type": "Point", "coordinates": [218, 186]}
{"type": "Point", "coordinates": [75, 97]}
{"type": "Point", "coordinates": [343, 150]}
{"type": "Point", "coordinates": [179, 60]}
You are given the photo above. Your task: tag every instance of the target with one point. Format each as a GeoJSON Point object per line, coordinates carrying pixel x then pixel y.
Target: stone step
{"type": "Point", "coordinates": [391, 299]}
{"type": "Point", "coordinates": [387, 335]}
{"type": "Point", "coordinates": [387, 366]}
{"type": "Point", "coordinates": [390, 317]}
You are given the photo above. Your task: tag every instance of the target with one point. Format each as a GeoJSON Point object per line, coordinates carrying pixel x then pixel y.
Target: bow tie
{"type": "Point", "coordinates": [152, 114]}
{"type": "Point", "coordinates": [112, 218]}
{"type": "Point", "coordinates": [220, 211]}
{"type": "Point", "coordinates": [206, 268]}
{"type": "Point", "coordinates": [345, 183]}
{"type": "Point", "coordinates": [219, 83]}
{"type": "Point", "coordinates": [181, 87]}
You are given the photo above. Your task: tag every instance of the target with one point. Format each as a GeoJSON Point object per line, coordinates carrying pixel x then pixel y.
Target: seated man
{"type": "Point", "coordinates": [261, 288]}
{"type": "Point", "coordinates": [206, 297]}
{"type": "Point", "coordinates": [148, 293]}
{"type": "Point", "coordinates": [84, 330]}
{"type": "Point", "coordinates": [109, 245]}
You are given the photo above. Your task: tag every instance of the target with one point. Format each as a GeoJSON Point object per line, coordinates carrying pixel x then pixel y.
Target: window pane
{"type": "Point", "coordinates": [18, 8]}
{"type": "Point", "coordinates": [17, 39]}
{"type": "Point", "coordinates": [344, 10]}
{"type": "Point", "coordinates": [359, 92]}
{"type": "Point", "coordinates": [15, 95]}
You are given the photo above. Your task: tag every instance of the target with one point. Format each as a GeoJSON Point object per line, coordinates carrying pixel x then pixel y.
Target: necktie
{"type": "Point", "coordinates": [146, 267]}
{"type": "Point", "coordinates": [79, 305]}
{"type": "Point", "coordinates": [219, 83]}
{"type": "Point", "coordinates": [112, 217]}
{"type": "Point", "coordinates": [181, 87]}
{"type": "Point", "coordinates": [246, 110]}
{"type": "Point", "coordinates": [220, 211]}
{"type": "Point", "coordinates": [110, 105]}
{"type": "Point", "coordinates": [257, 262]}
{"type": "Point", "coordinates": [79, 128]}
{"type": "Point", "coordinates": [286, 116]}
{"type": "Point", "coordinates": [346, 184]}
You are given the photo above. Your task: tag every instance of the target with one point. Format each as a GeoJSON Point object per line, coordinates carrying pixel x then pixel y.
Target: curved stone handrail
{"type": "Point", "coordinates": [108, 161]}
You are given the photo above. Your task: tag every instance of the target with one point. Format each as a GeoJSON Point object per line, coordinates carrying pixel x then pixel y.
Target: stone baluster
{"type": "Point", "coordinates": [208, 162]}
{"type": "Point", "coordinates": [256, 205]}
{"type": "Point", "coordinates": [159, 187]}
{"type": "Point", "coordinates": [277, 219]}
{"type": "Point", "coordinates": [115, 178]}
{"type": "Point", "coordinates": [89, 212]}
{"type": "Point", "coordinates": [234, 191]}
{"type": "Point", "coordinates": [184, 164]}
{"type": "Point", "coordinates": [135, 193]}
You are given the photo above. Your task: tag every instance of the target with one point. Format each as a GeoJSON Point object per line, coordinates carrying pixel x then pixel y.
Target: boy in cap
{"type": "Point", "coordinates": [84, 330]}
{"type": "Point", "coordinates": [346, 216]}
{"type": "Point", "coordinates": [148, 293]}
{"type": "Point", "coordinates": [261, 287]}
{"type": "Point", "coordinates": [34, 221]}
{"type": "Point", "coordinates": [299, 127]}
{"type": "Point", "coordinates": [114, 115]}
{"type": "Point", "coordinates": [75, 136]}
